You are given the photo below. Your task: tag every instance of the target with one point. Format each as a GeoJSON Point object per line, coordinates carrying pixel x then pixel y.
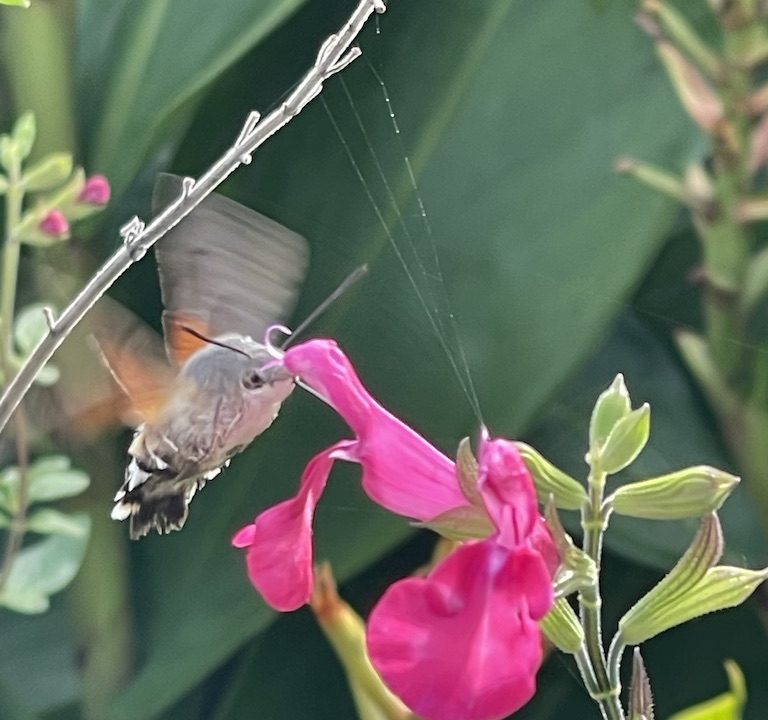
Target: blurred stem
{"type": "Point", "coordinates": [14, 198]}
{"type": "Point", "coordinates": [38, 49]}
{"type": "Point", "coordinates": [593, 522]}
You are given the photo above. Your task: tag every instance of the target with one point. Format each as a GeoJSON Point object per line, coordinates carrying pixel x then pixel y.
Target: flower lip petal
{"type": "Point", "coordinates": [461, 644]}
{"type": "Point", "coordinates": [279, 542]}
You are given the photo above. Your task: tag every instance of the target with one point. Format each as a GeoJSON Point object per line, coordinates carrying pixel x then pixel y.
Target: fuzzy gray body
{"type": "Point", "coordinates": [221, 401]}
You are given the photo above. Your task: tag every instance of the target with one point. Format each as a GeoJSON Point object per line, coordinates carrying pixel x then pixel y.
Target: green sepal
{"type": "Point", "coordinates": [562, 627]}
{"type": "Point", "coordinates": [640, 695]}
{"type": "Point", "coordinates": [577, 569]}
{"type": "Point", "coordinates": [659, 609]}
{"type": "Point", "coordinates": [466, 473]}
{"type": "Point", "coordinates": [691, 492]}
{"type": "Point", "coordinates": [550, 481]}
{"type": "Point", "coordinates": [612, 405]}
{"type": "Point", "coordinates": [462, 523]}
{"type": "Point", "coordinates": [625, 442]}
{"type": "Point", "coordinates": [48, 173]}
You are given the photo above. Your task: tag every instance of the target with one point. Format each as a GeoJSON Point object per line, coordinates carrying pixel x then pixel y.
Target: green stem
{"type": "Point", "coordinates": [593, 521]}
{"type": "Point", "coordinates": [10, 269]}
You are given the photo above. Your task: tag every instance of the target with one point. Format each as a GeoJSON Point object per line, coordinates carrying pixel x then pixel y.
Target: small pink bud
{"type": "Point", "coordinates": [95, 191]}
{"type": "Point", "coordinates": [55, 224]}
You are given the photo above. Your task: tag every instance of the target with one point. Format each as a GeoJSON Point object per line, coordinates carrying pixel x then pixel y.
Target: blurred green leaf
{"type": "Point", "coordinates": [42, 569]}
{"type": "Point", "coordinates": [727, 706]}
{"type": "Point", "coordinates": [24, 130]}
{"type": "Point", "coordinates": [20, 3]}
{"type": "Point", "coordinates": [29, 328]}
{"type": "Point", "coordinates": [144, 63]}
{"type": "Point", "coordinates": [52, 478]}
{"type": "Point", "coordinates": [516, 172]}
{"type": "Point", "coordinates": [48, 521]}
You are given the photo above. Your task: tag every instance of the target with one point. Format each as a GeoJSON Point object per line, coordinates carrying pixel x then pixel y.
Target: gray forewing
{"type": "Point", "coordinates": [233, 268]}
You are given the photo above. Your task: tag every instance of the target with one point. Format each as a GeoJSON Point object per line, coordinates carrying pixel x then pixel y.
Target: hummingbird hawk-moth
{"type": "Point", "coordinates": [226, 274]}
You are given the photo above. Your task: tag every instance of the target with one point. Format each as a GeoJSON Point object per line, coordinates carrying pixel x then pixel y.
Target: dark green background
{"type": "Point", "coordinates": [560, 273]}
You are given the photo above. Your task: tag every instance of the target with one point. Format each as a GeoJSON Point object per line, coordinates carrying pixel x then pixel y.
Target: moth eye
{"type": "Point", "coordinates": [252, 380]}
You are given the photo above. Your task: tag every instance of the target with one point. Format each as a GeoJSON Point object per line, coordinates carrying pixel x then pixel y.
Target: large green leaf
{"type": "Point", "coordinates": [512, 119]}
{"type": "Point", "coordinates": [142, 63]}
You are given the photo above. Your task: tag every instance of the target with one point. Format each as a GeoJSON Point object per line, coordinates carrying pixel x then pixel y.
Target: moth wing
{"type": "Point", "coordinates": [224, 269]}
{"type": "Point", "coordinates": [134, 354]}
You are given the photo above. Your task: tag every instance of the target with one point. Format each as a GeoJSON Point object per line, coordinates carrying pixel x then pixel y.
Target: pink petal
{"type": "Point", "coordinates": [461, 644]}
{"type": "Point", "coordinates": [279, 541]}
{"type": "Point", "coordinates": [541, 541]}
{"type": "Point", "coordinates": [401, 470]}
{"type": "Point", "coordinates": [507, 491]}
{"type": "Point", "coordinates": [96, 191]}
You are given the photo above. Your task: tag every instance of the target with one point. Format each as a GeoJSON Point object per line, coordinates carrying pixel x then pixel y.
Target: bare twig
{"type": "Point", "coordinates": [334, 55]}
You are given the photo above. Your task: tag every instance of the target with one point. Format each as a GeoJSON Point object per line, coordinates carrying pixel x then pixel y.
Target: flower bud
{"type": "Point", "coordinates": [692, 492]}
{"type": "Point", "coordinates": [96, 191]}
{"type": "Point", "coordinates": [562, 627]}
{"type": "Point", "coordinates": [625, 442]}
{"type": "Point", "coordinates": [640, 696]}
{"type": "Point", "coordinates": [668, 603]}
{"type": "Point", "coordinates": [55, 225]}
{"type": "Point", "coordinates": [550, 481]}
{"type": "Point", "coordinates": [612, 405]}
{"type": "Point", "coordinates": [49, 172]}
{"type": "Point", "coordinates": [345, 631]}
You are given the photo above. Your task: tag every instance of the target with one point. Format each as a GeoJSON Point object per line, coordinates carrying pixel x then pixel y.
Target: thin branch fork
{"type": "Point", "coordinates": [334, 55]}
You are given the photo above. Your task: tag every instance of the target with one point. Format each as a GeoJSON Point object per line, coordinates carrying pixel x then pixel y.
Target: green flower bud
{"type": "Point", "coordinates": [48, 173]}
{"type": "Point", "coordinates": [550, 481]}
{"type": "Point", "coordinates": [24, 130]}
{"type": "Point", "coordinates": [612, 405]}
{"type": "Point", "coordinates": [670, 602]}
{"type": "Point", "coordinates": [640, 696]}
{"type": "Point", "coordinates": [625, 442]}
{"type": "Point", "coordinates": [692, 492]}
{"type": "Point", "coordinates": [463, 523]}
{"type": "Point", "coordinates": [562, 627]}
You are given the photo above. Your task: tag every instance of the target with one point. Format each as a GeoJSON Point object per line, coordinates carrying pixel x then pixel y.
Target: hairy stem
{"type": "Point", "coordinates": [593, 522]}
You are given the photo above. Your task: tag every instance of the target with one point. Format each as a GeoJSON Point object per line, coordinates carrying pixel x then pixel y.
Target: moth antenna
{"type": "Point", "coordinates": [347, 283]}
{"type": "Point", "coordinates": [211, 341]}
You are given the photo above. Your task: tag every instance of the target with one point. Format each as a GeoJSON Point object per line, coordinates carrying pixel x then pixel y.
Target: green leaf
{"type": "Point", "coordinates": [23, 134]}
{"type": "Point", "coordinates": [19, 3]}
{"type": "Point", "coordinates": [48, 521]}
{"type": "Point", "coordinates": [44, 568]}
{"type": "Point", "coordinates": [29, 328]}
{"type": "Point", "coordinates": [726, 706]}
{"type": "Point", "coordinates": [52, 479]}
{"type": "Point", "coordinates": [522, 222]}
{"type": "Point", "coordinates": [145, 63]}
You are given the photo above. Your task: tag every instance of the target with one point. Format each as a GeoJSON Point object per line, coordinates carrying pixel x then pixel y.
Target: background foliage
{"type": "Point", "coordinates": [561, 274]}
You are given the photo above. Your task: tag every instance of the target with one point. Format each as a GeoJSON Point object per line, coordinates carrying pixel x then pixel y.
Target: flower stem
{"type": "Point", "coordinates": [10, 269]}
{"type": "Point", "coordinates": [594, 518]}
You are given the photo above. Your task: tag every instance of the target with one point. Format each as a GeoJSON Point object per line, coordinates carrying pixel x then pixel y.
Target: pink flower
{"type": "Point", "coordinates": [401, 471]}
{"type": "Point", "coordinates": [55, 224]}
{"type": "Point", "coordinates": [464, 642]}
{"type": "Point", "coordinates": [96, 191]}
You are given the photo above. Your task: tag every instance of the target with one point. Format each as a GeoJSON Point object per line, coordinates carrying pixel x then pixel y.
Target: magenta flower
{"type": "Point", "coordinates": [55, 224]}
{"type": "Point", "coordinates": [464, 642]}
{"type": "Point", "coordinates": [401, 471]}
{"type": "Point", "coordinates": [96, 191]}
